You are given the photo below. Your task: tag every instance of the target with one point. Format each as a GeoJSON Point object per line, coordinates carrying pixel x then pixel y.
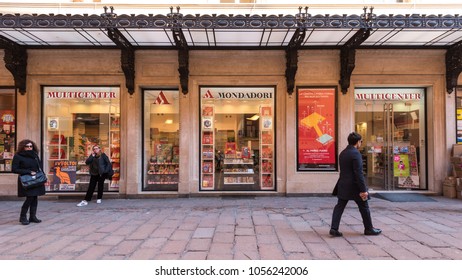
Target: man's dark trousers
{"type": "Point", "coordinates": [363, 209]}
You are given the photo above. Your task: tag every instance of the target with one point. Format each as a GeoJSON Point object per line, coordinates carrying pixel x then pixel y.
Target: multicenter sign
{"type": "Point", "coordinates": [389, 94]}
{"type": "Point", "coordinates": [81, 93]}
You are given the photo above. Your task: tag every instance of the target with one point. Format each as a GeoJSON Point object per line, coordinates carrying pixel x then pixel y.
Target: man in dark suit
{"type": "Point", "coordinates": [352, 186]}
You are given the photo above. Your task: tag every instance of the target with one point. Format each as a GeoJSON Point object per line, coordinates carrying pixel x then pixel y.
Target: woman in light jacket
{"type": "Point", "coordinates": [26, 161]}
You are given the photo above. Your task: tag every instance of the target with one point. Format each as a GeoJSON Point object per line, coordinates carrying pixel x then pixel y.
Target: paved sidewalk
{"type": "Point", "coordinates": [267, 228]}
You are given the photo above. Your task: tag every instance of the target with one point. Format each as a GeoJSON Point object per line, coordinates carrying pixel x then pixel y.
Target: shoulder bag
{"type": "Point", "coordinates": [29, 181]}
{"type": "Point", "coordinates": [110, 170]}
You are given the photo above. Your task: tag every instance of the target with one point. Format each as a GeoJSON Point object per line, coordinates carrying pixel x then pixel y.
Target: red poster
{"type": "Point", "coordinates": [316, 129]}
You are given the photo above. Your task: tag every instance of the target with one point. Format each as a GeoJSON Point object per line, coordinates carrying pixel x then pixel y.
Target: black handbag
{"type": "Point", "coordinates": [29, 181]}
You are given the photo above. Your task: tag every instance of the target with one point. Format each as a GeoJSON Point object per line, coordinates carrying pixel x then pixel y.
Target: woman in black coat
{"type": "Point", "coordinates": [26, 161]}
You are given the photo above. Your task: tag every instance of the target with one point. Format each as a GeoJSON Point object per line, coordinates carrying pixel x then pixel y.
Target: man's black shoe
{"type": "Point", "coordinates": [335, 233]}
{"type": "Point", "coordinates": [34, 219]}
{"type": "Point", "coordinates": [374, 231]}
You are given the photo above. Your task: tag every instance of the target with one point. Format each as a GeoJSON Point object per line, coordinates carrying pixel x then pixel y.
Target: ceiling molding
{"type": "Point", "coordinates": [230, 21]}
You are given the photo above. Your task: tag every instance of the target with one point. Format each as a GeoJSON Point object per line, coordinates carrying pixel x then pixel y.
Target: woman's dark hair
{"type": "Point", "coordinates": [353, 138]}
{"type": "Point", "coordinates": [23, 143]}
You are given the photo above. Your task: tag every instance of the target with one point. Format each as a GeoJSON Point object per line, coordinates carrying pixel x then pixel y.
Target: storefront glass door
{"type": "Point", "coordinates": [392, 123]}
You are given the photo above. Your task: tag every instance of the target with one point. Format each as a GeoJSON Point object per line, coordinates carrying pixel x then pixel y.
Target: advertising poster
{"type": "Point", "coordinates": [316, 129]}
{"type": "Point", "coordinates": [401, 166]}
{"type": "Point", "coordinates": [64, 175]}
{"type": "Point", "coordinates": [6, 121]}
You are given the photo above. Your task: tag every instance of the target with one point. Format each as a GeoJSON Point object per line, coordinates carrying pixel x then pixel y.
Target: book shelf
{"type": "Point", "coordinates": [266, 148]}
{"type": "Point", "coordinates": [207, 148]}
{"type": "Point", "coordinates": [114, 150]}
{"type": "Point", "coordinates": [7, 149]}
{"type": "Point", "coordinates": [238, 171]}
{"type": "Point", "coordinates": [163, 168]}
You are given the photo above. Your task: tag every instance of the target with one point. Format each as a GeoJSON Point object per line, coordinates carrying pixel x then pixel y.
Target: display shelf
{"type": "Point", "coordinates": [250, 171]}
{"type": "Point", "coordinates": [7, 140]}
{"type": "Point", "coordinates": [229, 161]}
{"type": "Point", "coordinates": [163, 166]}
{"type": "Point", "coordinates": [240, 180]}
{"type": "Point", "coordinates": [57, 147]}
{"type": "Point", "coordinates": [114, 145]}
{"type": "Point", "coordinates": [207, 147]}
{"type": "Point", "coordinates": [266, 148]}
{"type": "Point", "coordinates": [235, 169]}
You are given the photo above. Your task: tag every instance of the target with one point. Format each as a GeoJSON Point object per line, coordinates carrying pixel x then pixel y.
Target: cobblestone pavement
{"type": "Point", "coordinates": [220, 228]}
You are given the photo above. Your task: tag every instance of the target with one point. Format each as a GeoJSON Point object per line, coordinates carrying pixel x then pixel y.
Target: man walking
{"type": "Point", "coordinates": [352, 186]}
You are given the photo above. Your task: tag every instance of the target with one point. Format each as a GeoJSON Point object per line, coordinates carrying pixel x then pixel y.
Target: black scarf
{"type": "Point", "coordinates": [29, 154]}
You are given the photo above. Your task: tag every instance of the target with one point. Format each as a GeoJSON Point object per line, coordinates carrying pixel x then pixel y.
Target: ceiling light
{"type": "Point", "coordinates": [168, 121]}
{"type": "Point", "coordinates": [254, 117]}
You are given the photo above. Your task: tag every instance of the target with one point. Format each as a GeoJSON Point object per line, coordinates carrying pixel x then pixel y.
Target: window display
{"type": "Point", "coordinates": [76, 119]}
{"type": "Point", "coordinates": [7, 129]}
{"type": "Point", "coordinates": [392, 124]}
{"type": "Point", "coordinates": [161, 134]}
{"type": "Point", "coordinates": [237, 139]}
{"type": "Point", "coordinates": [459, 115]}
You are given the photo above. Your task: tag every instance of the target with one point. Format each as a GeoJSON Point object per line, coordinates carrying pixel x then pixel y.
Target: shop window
{"type": "Point", "coordinates": [392, 122]}
{"type": "Point", "coordinates": [7, 128]}
{"type": "Point", "coordinates": [459, 115]}
{"type": "Point", "coordinates": [76, 119]}
{"type": "Point", "coordinates": [161, 140]}
{"type": "Point", "coordinates": [237, 139]}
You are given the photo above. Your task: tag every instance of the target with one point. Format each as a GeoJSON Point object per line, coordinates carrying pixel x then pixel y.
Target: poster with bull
{"type": "Point", "coordinates": [64, 175]}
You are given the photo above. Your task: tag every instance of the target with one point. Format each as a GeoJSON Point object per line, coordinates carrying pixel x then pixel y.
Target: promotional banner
{"type": "Point", "coordinates": [401, 166]}
{"type": "Point", "coordinates": [64, 175]}
{"type": "Point", "coordinates": [316, 129]}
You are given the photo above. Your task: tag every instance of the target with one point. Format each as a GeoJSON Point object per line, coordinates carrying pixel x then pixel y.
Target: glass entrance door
{"type": "Point", "coordinates": [393, 128]}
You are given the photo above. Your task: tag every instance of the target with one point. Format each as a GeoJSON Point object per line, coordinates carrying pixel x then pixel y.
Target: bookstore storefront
{"type": "Point", "coordinates": [76, 119]}
{"type": "Point", "coordinates": [237, 138]}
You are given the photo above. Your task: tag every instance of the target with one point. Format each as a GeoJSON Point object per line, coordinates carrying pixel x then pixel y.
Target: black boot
{"type": "Point", "coordinates": [23, 220]}
{"type": "Point", "coordinates": [33, 218]}
{"type": "Point", "coordinates": [23, 217]}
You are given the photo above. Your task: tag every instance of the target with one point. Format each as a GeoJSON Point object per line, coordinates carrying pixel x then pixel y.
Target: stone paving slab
{"type": "Point", "coordinates": [258, 228]}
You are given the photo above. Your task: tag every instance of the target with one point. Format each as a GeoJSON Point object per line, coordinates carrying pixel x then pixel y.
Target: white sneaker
{"type": "Point", "coordinates": [82, 203]}
{"type": "Point", "coordinates": [98, 201]}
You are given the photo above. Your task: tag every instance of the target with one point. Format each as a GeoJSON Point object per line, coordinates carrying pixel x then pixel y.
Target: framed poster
{"type": "Point", "coordinates": [317, 128]}
{"type": "Point", "coordinates": [64, 175]}
{"type": "Point", "coordinates": [53, 123]}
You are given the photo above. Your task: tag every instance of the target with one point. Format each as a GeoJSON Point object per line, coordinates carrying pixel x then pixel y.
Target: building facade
{"type": "Point", "coordinates": [240, 128]}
